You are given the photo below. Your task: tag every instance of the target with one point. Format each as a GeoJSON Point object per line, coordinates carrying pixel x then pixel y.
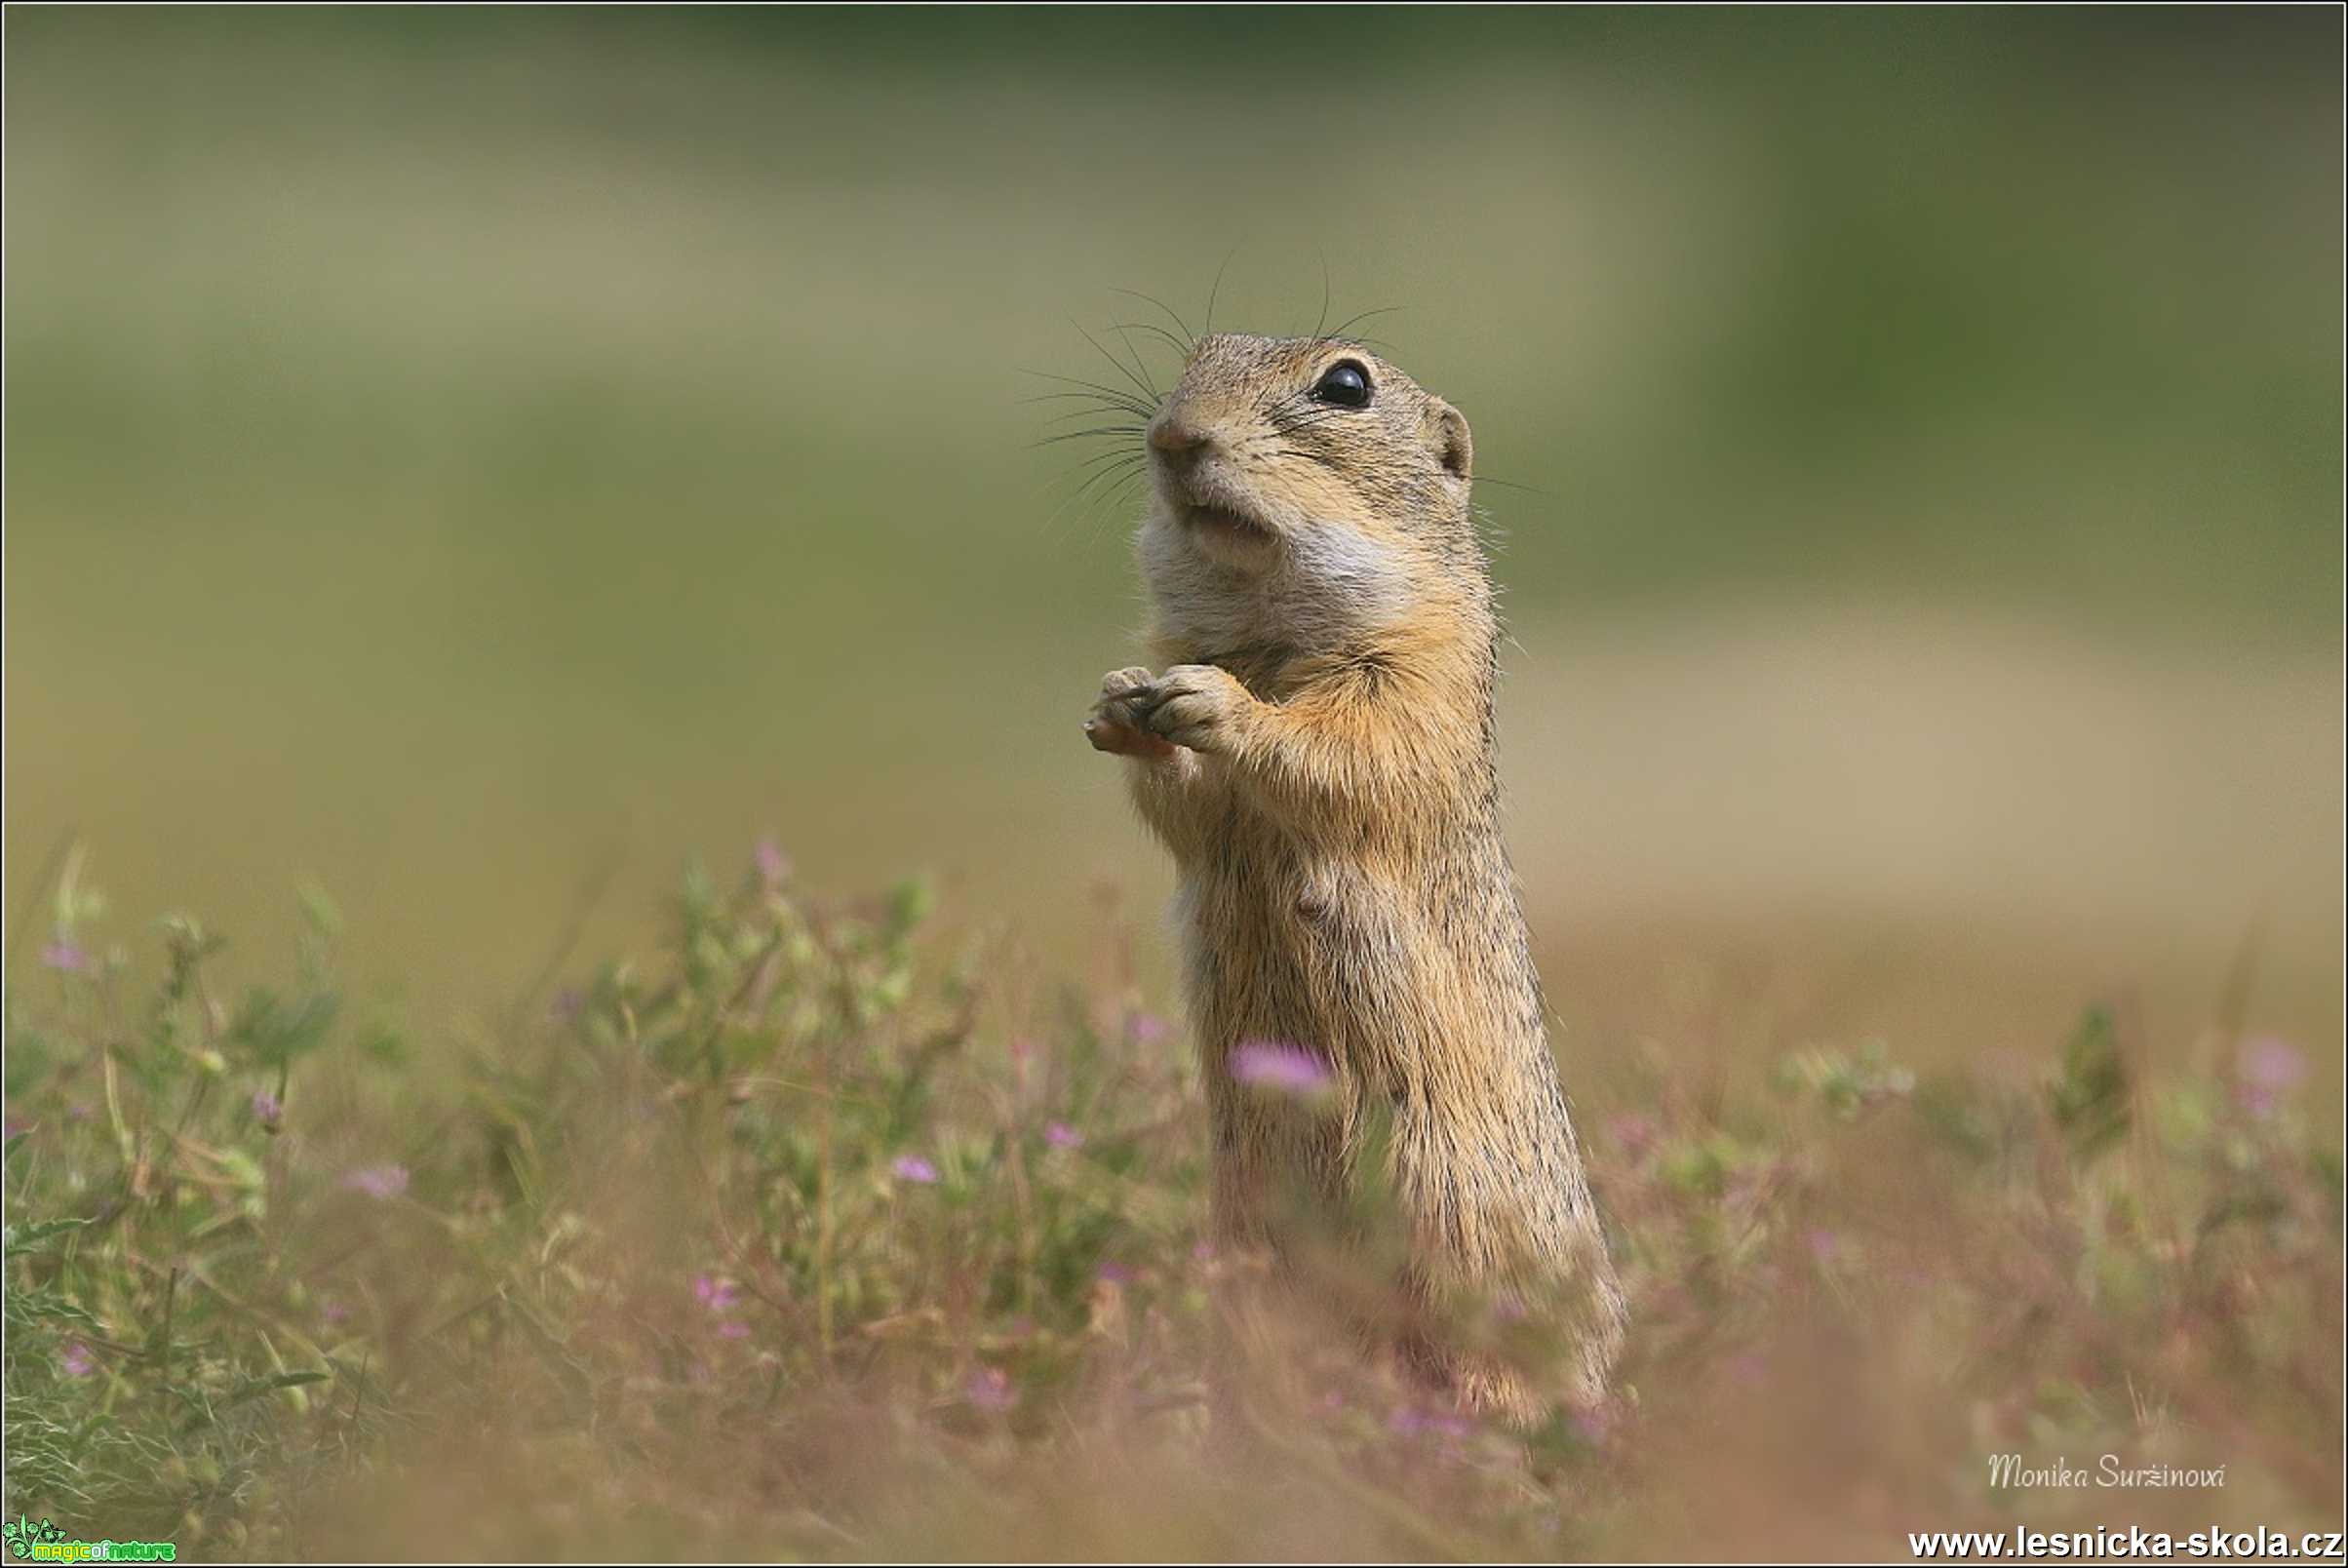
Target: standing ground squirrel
{"type": "Point", "coordinates": [1318, 754]}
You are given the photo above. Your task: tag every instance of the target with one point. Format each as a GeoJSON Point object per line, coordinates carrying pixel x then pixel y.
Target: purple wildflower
{"type": "Point", "coordinates": [377, 1181]}
{"type": "Point", "coordinates": [1285, 1068]}
{"type": "Point", "coordinates": [64, 956]}
{"type": "Point", "coordinates": [266, 1108]}
{"type": "Point", "coordinates": [2267, 1069]}
{"type": "Point", "coordinates": [1116, 1274]}
{"type": "Point", "coordinates": [914, 1168]}
{"type": "Point", "coordinates": [1633, 1134]}
{"type": "Point", "coordinates": [734, 1328]}
{"type": "Point", "coordinates": [333, 1311]}
{"type": "Point", "coordinates": [1148, 1028]}
{"type": "Point", "coordinates": [76, 1362]}
{"type": "Point", "coordinates": [1060, 1135]}
{"type": "Point", "coordinates": [1593, 1423]}
{"type": "Point", "coordinates": [990, 1389]}
{"type": "Point", "coordinates": [1408, 1421]}
{"type": "Point", "coordinates": [773, 864]}
{"type": "Point", "coordinates": [714, 1293]}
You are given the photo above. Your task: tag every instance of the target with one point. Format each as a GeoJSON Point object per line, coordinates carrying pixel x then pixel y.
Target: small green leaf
{"type": "Point", "coordinates": [23, 1240]}
{"type": "Point", "coordinates": [255, 1388]}
{"type": "Point", "coordinates": [2090, 1092]}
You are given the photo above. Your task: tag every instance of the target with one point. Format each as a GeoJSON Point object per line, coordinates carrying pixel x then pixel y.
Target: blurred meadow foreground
{"type": "Point", "coordinates": [573, 989]}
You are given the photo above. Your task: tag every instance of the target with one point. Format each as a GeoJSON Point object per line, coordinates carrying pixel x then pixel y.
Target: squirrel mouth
{"type": "Point", "coordinates": [1226, 522]}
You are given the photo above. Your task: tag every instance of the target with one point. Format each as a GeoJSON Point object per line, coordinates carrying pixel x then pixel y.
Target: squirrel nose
{"type": "Point", "coordinates": [1176, 436]}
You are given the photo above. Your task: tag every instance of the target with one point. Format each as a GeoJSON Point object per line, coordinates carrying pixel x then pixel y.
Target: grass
{"type": "Point", "coordinates": [822, 1235]}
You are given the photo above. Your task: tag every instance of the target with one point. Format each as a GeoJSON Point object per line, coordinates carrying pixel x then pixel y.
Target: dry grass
{"type": "Point", "coordinates": [818, 1238]}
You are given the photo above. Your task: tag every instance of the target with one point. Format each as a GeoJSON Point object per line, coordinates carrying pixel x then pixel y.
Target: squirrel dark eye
{"type": "Point", "coordinates": [1346, 384]}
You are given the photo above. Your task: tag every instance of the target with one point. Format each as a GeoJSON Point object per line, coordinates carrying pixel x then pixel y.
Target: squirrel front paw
{"type": "Point", "coordinates": [1115, 727]}
{"type": "Point", "coordinates": [1197, 706]}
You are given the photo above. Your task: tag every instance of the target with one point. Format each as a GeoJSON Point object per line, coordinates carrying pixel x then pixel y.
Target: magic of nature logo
{"type": "Point", "coordinates": [43, 1542]}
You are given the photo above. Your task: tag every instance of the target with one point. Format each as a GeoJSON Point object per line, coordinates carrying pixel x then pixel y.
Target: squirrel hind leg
{"type": "Point", "coordinates": [1477, 1383]}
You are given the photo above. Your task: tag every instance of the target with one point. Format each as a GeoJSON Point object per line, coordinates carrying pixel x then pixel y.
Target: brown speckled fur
{"type": "Point", "coordinates": [1318, 754]}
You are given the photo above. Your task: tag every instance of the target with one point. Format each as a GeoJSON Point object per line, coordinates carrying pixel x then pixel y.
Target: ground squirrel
{"type": "Point", "coordinates": [1318, 754]}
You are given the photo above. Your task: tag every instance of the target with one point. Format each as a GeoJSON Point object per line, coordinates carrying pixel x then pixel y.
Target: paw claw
{"type": "Point", "coordinates": [1190, 705]}
{"type": "Point", "coordinates": [1119, 723]}
{"type": "Point", "coordinates": [1116, 682]}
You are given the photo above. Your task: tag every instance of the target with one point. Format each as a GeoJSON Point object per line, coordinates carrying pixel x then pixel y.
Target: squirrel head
{"type": "Point", "coordinates": [1305, 492]}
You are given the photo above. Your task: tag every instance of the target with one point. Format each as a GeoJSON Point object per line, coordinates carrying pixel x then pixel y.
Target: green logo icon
{"type": "Point", "coordinates": [22, 1535]}
{"type": "Point", "coordinates": [46, 1543]}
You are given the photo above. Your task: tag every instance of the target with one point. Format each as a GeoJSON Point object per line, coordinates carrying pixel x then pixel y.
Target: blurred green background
{"type": "Point", "coordinates": [475, 460]}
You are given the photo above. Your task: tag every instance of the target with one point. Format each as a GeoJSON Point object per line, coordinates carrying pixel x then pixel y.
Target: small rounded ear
{"type": "Point", "coordinates": [1447, 427]}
